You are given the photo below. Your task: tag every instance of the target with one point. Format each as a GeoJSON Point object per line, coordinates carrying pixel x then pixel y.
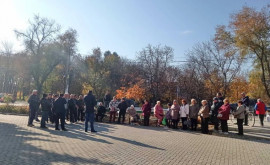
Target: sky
{"type": "Point", "coordinates": [125, 26]}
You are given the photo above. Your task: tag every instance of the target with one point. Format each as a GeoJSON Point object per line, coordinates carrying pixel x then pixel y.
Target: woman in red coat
{"type": "Point", "coordinates": [146, 108]}
{"type": "Point", "coordinates": [260, 110]}
{"type": "Point", "coordinates": [223, 115]}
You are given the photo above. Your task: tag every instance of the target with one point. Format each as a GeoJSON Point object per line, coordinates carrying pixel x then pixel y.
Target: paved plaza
{"type": "Point", "coordinates": [123, 144]}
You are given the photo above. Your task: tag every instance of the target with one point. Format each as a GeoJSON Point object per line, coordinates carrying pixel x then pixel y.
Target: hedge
{"type": "Point", "coordinates": [14, 109]}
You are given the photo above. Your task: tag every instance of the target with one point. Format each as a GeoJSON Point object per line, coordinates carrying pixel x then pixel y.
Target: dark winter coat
{"type": "Point", "coordinates": [90, 103]}
{"type": "Point", "coordinates": [59, 105]}
{"type": "Point", "coordinates": [123, 106]}
{"type": "Point", "coordinates": [46, 105]}
{"type": "Point", "coordinates": [33, 102]}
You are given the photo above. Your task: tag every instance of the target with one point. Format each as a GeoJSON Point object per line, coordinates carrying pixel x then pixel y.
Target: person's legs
{"type": "Point", "coordinates": [62, 120]}
{"type": "Point", "coordinates": [216, 124]}
{"type": "Point", "coordinates": [119, 116]}
{"type": "Point", "coordinates": [195, 124]}
{"type": "Point", "coordinates": [146, 120]}
{"type": "Point", "coordinates": [246, 119]}
{"type": "Point", "coordinates": [36, 114]}
{"type": "Point", "coordinates": [124, 117]}
{"type": "Point", "coordinates": [240, 126]}
{"type": "Point", "coordinates": [202, 125]}
{"type": "Point", "coordinates": [206, 120]}
{"type": "Point", "coordinates": [75, 115]}
{"type": "Point", "coordinates": [32, 114]}
{"type": "Point", "coordinates": [57, 117]}
{"type": "Point", "coordinates": [67, 114]}
{"type": "Point", "coordinates": [91, 119]}
{"type": "Point", "coordinates": [43, 119]}
{"type": "Point", "coordinates": [87, 116]}
{"type": "Point", "coordinates": [184, 125]}
{"type": "Point", "coordinates": [261, 119]}
{"type": "Point", "coordinates": [225, 126]}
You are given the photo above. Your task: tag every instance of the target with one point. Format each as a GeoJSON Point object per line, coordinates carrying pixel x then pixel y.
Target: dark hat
{"type": "Point", "coordinates": [215, 98]}
{"type": "Point", "coordinates": [90, 92]}
{"type": "Point", "coordinates": [45, 95]}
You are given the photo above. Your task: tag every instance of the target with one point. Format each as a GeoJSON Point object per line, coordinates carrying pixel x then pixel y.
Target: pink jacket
{"type": "Point", "coordinates": [158, 110]}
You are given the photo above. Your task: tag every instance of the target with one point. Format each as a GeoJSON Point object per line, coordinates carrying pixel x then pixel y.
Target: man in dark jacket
{"type": "Point", "coordinates": [80, 104]}
{"type": "Point", "coordinates": [100, 112]}
{"type": "Point", "coordinates": [123, 108]}
{"type": "Point", "coordinates": [46, 107]}
{"type": "Point", "coordinates": [72, 109]}
{"type": "Point", "coordinates": [60, 111]}
{"type": "Point", "coordinates": [107, 98]}
{"type": "Point", "coordinates": [245, 100]}
{"type": "Point", "coordinates": [90, 103]}
{"type": "Point", "coordinates": [33, 107]}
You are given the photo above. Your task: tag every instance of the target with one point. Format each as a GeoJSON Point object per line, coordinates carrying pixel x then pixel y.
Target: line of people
{"type": "Point", "coordinates": [63, 107]}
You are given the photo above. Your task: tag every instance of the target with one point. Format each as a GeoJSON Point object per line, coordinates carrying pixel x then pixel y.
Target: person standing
{"type": "Point", "coordinates": [90, 103]}
{"type": "Point", "coordinates": [214, 112]}
{"type": "Point", "coordinates": [245, 100]}
{"type": "Point", "coordinates": [80, 104]}
{"type": "Point", "coordinates": [175, 109]}
{"type": "Point", "coordinates": [113, 109]}
{"type": "Point", "coordinates": [72, 109]}
{"type": "Point", "coordinates": [46, 107]}
{"type": "Point", "coordinates": [60, 112]}
{"type": "Point", "coordinates": [184, 112]}
{"type": "Point", "coordinates": [193, 114]}
{"type": "Point", "coordinates": [107, 98]}
{"type": "Point", "coordinates": [204, 113]}
{"type": "Point", "coordinates": [33, 107]}
{"type": "Point", "coordinates": [158, 111]}
{"type": "Point", "coordinates": [168, 116]}
{"type": "Point", "coordinates": [67, 113]}
{"type": "Point", "coordinates": [123, 108]}
{"type": "Point", "coordinates": [223, 115]}
{"type": "Point", "coordinates": [146, 109]}
{"type": "Point", "coordinates": [260, 108]}
{"type": "Point", "coordinates": [240, 115]}
{"type": "Point", "coordinates": [50, 111]}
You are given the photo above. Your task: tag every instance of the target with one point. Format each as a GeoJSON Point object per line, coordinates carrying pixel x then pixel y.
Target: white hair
{"type": "Point", "coordinates": [34, 91]}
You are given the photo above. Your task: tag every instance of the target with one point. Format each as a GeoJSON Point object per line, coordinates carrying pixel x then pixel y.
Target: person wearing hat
{"type": "Point", "coordinates": [45, 109]}
{"type": "Point", "coordinates": [214, 112]}
{"type": "Point", "coordinates": [90, 103]}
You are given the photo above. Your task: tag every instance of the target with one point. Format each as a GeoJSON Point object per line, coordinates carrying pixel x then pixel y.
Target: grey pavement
{"type": "Point", "coordinates": [123, 144]}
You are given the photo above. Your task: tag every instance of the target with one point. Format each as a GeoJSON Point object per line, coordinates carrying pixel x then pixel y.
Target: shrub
{"type": "Point", "coordinates": [14, 109]}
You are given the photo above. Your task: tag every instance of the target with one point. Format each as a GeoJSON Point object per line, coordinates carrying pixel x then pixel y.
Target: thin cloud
{"type": "Point", "coordinates": [186, 32]}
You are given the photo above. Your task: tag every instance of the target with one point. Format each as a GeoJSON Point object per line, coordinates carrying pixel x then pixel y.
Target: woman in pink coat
{"type": "Point", "coordinates": [158, 111]}
{"type": "Point", "coordinates": [223, 115]}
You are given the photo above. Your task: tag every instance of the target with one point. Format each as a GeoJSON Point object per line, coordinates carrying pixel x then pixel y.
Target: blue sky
{"type": "Point", "coordinates": [126, 26]}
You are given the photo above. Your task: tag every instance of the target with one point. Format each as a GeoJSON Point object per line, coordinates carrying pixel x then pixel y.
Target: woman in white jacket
{"type": "Point", "coordinates": [184, 111]}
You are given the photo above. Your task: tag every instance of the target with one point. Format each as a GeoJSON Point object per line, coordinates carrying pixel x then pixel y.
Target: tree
{"type": "Point", "coordinates": [218, 65]}
{"type": "Point", "coordinates": [69, 41]}
{"type": "Point", "coordinates": [45, 53]}
{"type": "Point", "coordinates": [154, 61]}
{"type": "Point", "coordinates": [251, 30]}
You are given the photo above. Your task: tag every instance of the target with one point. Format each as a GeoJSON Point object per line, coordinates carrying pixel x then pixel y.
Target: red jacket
{"type": "Point", "coordinates": [260, 108]}
{"type": "Point", "coordinates": [225, 111]}
{"type": "Point", "coordinates": [146, 108]}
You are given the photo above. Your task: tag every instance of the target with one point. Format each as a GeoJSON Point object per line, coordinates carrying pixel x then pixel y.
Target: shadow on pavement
{"type": "Point", "coordinates": [16, 148]}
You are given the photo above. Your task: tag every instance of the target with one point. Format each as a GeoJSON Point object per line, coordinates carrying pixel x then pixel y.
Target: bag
{"type": "Point", "coordinates": [219, 115]}
{"type": "Point", "coordinates": [268, 118]}
{"type": "Point", "coordinates": [164, 121]}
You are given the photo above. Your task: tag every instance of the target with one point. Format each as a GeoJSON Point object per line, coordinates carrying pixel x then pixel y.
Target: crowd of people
{"type": "Point", "coordinates": [73, 108]}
